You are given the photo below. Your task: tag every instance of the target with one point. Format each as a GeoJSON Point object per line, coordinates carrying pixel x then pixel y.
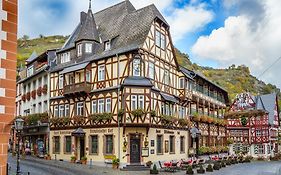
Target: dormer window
{"type": "Point", "coordinates": [107, 45]}
{"type": "Point", "coordinates": [88, 48]}
{"type": "Point", "coordinates": [65, 57]}
{"type": "Point", "coordinates": [29, 70]}
{"type": "Point", "coordinates": [136, 67]}
{"type": "Point", "coordinates": [79, 50]}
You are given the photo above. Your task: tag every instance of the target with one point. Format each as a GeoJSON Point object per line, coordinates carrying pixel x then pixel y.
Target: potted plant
{"type": "Point", "coordinates": [216, 166]}
{"type": "Point", "coordinates": [154, 170]}
{"type": "Point", "coordinates": [201, 170]}
{"type": "Point", "coordinates": [148, 164]}
{"type": "Point", "coordinates": [196, 117]}
{"type": "Point", "coordinates": [73, 159]}
{"type": "Point", "coordinates": [138, 112]}
{"type": "Point", "coordinates": [189, 170]}
{"type": "Point", "coordinates": [209, 168]}
{"type": "Point", "coordinates": [115, 163]}
{"type": "Point", "coordinates": [83, 160]}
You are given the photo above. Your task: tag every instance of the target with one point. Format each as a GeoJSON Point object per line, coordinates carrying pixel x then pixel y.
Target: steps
{"type": "Point", "coordinates": [135, 167]}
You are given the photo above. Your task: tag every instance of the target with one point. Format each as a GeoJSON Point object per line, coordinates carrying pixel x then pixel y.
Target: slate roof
{"type": "Point", "coordinates": [137, 81]}
{"type": "Point", "coordinates": [122, 24]}
{"type": "Point", "coordinates": [75, 68]}
{"type": "Point", "coordinates": [267, 102]}
{"type": "Point", "coordinates": [168, 97]}
{"type": "Point", "coordinates": [32, 57]}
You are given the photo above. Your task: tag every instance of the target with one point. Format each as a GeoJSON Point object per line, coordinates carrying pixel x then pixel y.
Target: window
{"type": "Point", "coordinates": [166, 77]}
{"type": "Point", "coordinates": [80, 108]}
{"type": "Point", "coordinates": [79, 50]}
{"type": "Point", "coordinates": [136, 67]}
{"type": "Point", "coordinates": [151, 70]}
{"type": "Point", "coordinates": [45, 106]}
{"type": "Point", "coordinates": [159, 144]}
{"type": "Point", "coordinates": [101, 73]}
{"type": "Point", "coordinates": [108, 105]}
{"type": "Point", "coordinates": [109, 144]}
{"type": "Point", "coordinates": [181, 112]}
{"type": "Point", "coordinates": [56, 111]}
{"type": "Point", "coordinates": [172, 144]}
{"type": "Point", "coordinates": [61, 112]}
{"type": "Point", "coordinates": [67, 110]}
{"type": "Point", "coordinates": [67, 144]}
{"type": "Point", "coordinates": [181, 85]}
{"type": "Point", "coordinates": [56, 144]}
{"type": "Point", "coordinates": [133, 102]}
{"type": "Point", "coordinates": [141, 102]}
{"type": "Point", "coordinates": [71, 79]}
{"type": "Point", "coordinates": [88, 48]}
{"type": "Point", "coordinates": [29, 71]}
{"type": "Point", "coordinates": [258, 133]}
{"type": "Point", "coordinates": [94, 106]}
{"type": "Point", "coordinates": [259, 149]}
{"type": "Point", "coordinates": [167, 109]}
{"type": "Point", "coordinates": [101, 106]}
{"type": "Point", "coordinates": [182, 144]}
{"type": "Point", "coordinates": [160, 40]}
{"type": "Point", "coordinates": [94, 144]}
{"type": "Point", "coordinates": [107, 45]}
{"type": "Point", "coordinates": [88, 76]}
{"type": "Point", "coordinates": [60, 81]}
{"type": "Point", "coordinates": [65, 57]}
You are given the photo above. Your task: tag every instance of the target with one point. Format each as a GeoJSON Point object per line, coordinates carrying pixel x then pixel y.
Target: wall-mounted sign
{"type": "Point", "coordinates": [101, 130]}
{"type": "Point", "coordinates": [145, 152]}
{"type": "Point", "coordinates": [152, 143]}
{"type": "Point", "coordinates": [158, 131]}
{"type": "Point", "coordinates": [62, 132]}
{"type": "Point", "coordinates": [168, 132]}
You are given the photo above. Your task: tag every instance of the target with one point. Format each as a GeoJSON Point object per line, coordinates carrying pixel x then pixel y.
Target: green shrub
{"type": "Point", "coordinates": [115, 161]}
{"type": "Point", "coordinates": [154, 170]}
{"type": "Point", "coordinates": [216, 166]}
{"type": "Point", "coordinates": [223, 164]}
{"type": "Point", "coordinates": [189, 170]}
{"type": "Point", "coordinates": [201, 170]}
{"type": "Point", "coordinates": [209, 168]}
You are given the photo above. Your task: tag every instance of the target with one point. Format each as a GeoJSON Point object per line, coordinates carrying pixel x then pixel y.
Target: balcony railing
{"type": "Point", "coordinates": [77, 88]}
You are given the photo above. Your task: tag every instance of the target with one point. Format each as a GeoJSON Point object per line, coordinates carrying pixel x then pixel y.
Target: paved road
{"type": "Point", "coordinates": [42, 167]}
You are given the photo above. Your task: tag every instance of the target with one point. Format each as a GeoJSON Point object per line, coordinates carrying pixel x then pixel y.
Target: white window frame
{"type": "Point", "coordinates": [151, 70]}
{"type": "Point", "coordinates": [140, 102]}
{"type": "Point", "coordinates": [107, 45]}
{"type": "Point", "coordinates": [108, 105]}
{"type": "Point", "coordinates": [181, 112]}
{"type": "Point", "coordinates": [101, 73]}
{"type": "Point", "coordinates": [79, 49]}
{"type": "Point", "coordinates": [88, 76]}
{"type": "Point", "coordinates": [94, 106]}
{"type": "Point", "coordinates": [80, 108]}
{"type": "Point", "coordinates": [137, 67]}
{"type": "Point", "coordinates": [158, 38]}
{"type": "Point", "coordinates": [181, 83]}
{"type": "Point", "coordinates": [56, 111]}
{"type": "Point", "coordinates": [66, 110]}
{"type": "Point", "coordinates": [166, 77]}
{"type": "Point", "coordinates": [88, 48]}
{"type": "Point", "coordinates": [30, 71]}
{"type": "Point", "coordinates": [65, 57]}
{"type": "Point", "coordinates": [162, 41]}
{"type": "Point", "coordinates": [134, 102]}
{"type": "Point", "coordinates": [101, 106]}
{"type": "Point", "coordinates": [258, 133]}
{"type": "Point", "coordinates": [61, 111]}
{"type": "Point", "coordinates": [60, 81]}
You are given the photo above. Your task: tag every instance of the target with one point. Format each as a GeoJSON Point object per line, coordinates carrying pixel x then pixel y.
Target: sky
{"type": "Point", "coordinates": [215, 33]}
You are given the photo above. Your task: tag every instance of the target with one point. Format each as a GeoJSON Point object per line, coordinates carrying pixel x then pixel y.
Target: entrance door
{"type": "Point", "coordinates": [82, 147]}
{"type": "Point", "coordinates": [134, 149]}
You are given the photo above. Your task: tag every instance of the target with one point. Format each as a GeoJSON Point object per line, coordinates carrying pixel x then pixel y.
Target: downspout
{"type": "Point", "coordinates": [118, 107]}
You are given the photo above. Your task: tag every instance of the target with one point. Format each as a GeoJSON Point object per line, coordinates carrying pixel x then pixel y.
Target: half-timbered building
{"type": "Point", "coordinates": [253, 123]}
{"type": "Point", "coordinates": [118, 90]}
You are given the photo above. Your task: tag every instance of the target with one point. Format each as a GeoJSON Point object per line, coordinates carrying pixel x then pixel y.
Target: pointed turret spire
{"type": "Point", "coordinates": [90, 4]}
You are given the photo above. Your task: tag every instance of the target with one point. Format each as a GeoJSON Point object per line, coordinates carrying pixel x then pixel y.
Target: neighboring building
{"type": "Point", "coordinates": [120, 63]}
{"type": "Point", "coordinates": [32, 100]}
{"type": "Point", "coordinates": [8, 61]}
{"type": "Point", "coordinates": [253, 124]}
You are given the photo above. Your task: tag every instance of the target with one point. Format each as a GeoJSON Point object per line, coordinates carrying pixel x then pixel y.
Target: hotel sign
{"type": "Point", "coordinates": [62, 132]}
{"type": "Point", "coordinates": [101, 130]}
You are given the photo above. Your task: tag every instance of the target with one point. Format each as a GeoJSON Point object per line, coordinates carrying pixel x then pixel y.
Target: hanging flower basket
{"type": "Point", "coordinates": [44, 89]}
{"type": "Point", "coordinates": [33, 94]}
{"type": "Point", "coordinates": [28, 96]}
{"type": "Point", "coordinates": [39, 91]}
{"type": "Point", "coordinates": [23, 97]}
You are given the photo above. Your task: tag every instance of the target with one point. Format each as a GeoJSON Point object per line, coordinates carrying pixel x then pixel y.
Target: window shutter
{"type": "Point", "coordinates": [90, 144]}
{"type": "Point", "coordinates": [104, 144]}
{"type": "Point", "coordinates": [53, 146]}
{"type": "Point", "coordinates": [113, 147]}
{"type": "Point", "coordinates": [64, 144]}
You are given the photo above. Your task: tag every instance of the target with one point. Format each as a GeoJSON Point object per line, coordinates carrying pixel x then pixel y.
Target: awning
{"type": "Point", "coordinates": [79, 132]}
{"type": "Point", "coordinates": [168, 97]}
{"type": "Point", "coordinates": [74, 68]}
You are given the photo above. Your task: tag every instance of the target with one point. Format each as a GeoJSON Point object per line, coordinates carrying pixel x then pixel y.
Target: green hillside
{"type": "Point", "coordinates": [235, 79]}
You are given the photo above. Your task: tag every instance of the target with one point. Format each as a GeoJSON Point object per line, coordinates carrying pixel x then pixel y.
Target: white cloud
{"type": "Point", "coordinates": [35, 20]}
{"type": "Point", "coordinates": [238, 43]}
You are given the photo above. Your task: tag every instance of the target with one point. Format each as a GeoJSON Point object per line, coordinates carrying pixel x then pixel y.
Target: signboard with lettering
{"type": "Point", "coordinates": [145, 152]}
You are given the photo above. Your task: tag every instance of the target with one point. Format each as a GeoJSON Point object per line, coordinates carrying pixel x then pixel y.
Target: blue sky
{"type": "Point", "coordinates": [214, 33]}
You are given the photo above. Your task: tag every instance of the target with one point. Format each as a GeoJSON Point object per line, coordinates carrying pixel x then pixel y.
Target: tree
{"type": "Point", "coordinates": [25, 37]}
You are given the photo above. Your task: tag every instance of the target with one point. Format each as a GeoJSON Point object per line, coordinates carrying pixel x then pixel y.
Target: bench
{"type": "Point", "coordinates": [109, 158]}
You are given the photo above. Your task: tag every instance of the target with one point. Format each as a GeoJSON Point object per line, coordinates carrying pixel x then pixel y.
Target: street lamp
{"type": "Point", "coordinates": [194, 134]}
{"type": "Point", "coordinates": [19, 128]}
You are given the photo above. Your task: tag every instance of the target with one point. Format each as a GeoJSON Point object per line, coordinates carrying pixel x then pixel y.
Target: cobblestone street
{"type": "Point", "coordinates": [42, 167]}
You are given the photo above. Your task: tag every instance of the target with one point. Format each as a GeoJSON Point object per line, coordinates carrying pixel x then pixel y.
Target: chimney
{"type": "Point", "coordinates": [83, 16]}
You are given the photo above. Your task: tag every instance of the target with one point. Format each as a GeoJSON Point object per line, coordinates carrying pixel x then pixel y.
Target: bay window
{"type": "Point", "coordinates": [100, 105]}
{"type": "Point", "coordinates": [80, 109]}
